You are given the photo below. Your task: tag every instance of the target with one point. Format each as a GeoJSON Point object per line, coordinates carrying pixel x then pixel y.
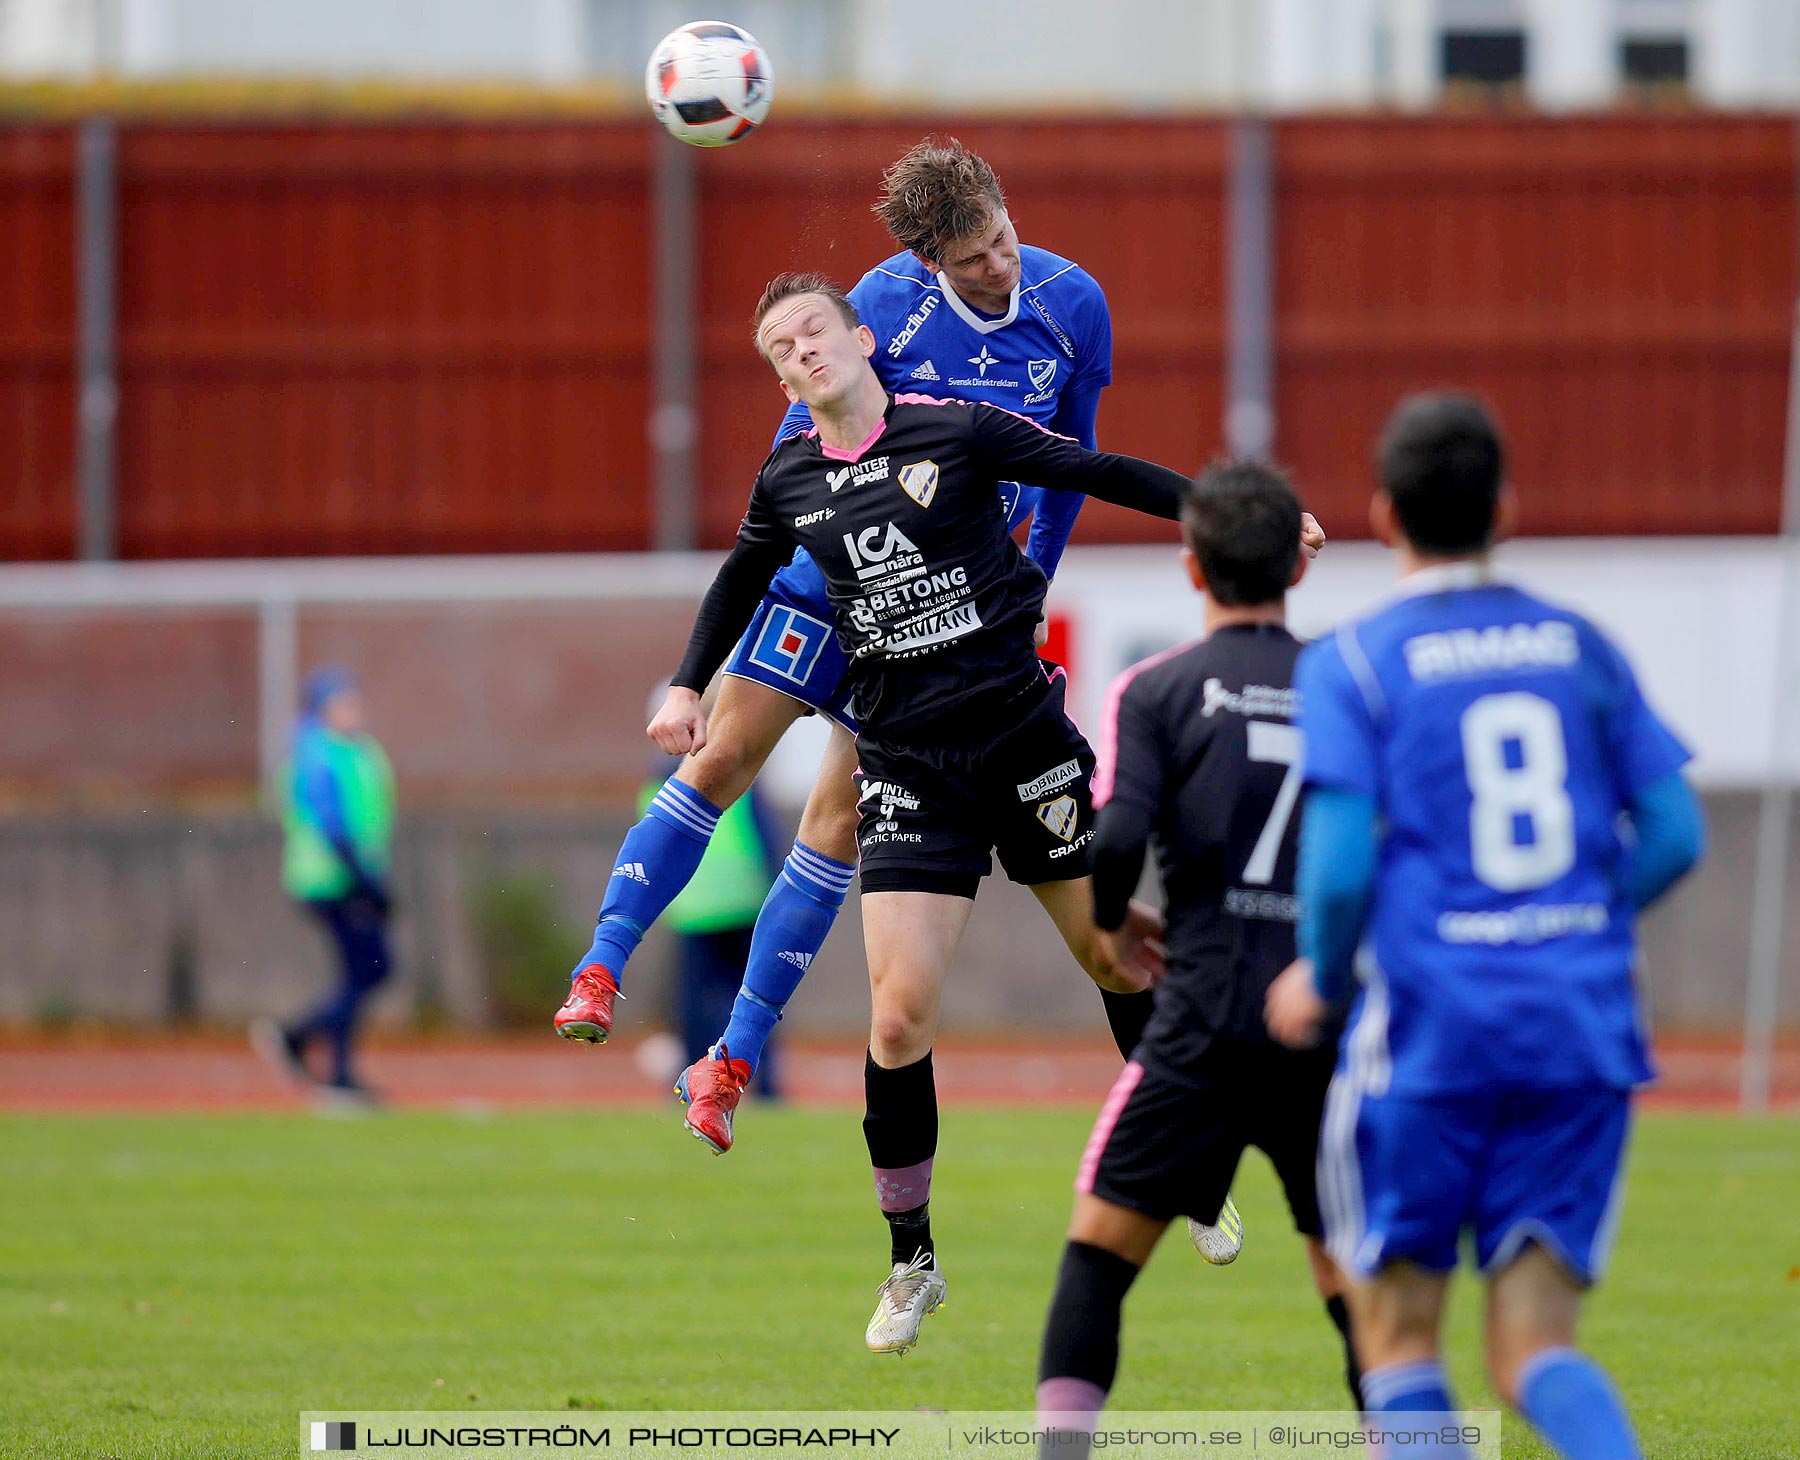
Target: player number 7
{"type": "Point", "coordinates": [1282, 745]}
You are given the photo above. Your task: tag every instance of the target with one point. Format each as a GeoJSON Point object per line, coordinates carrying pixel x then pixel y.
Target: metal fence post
{"type": "Point", "coordinates": [1774, 831]}
{"type": "Point", "coordinates": [97, 396]}
{"type": "Point", "coordinates": [1250, 291]}
{"type": "Point", "coordinates": [278, 695]}
{"type": "Point", "coordinates": [674, 427]}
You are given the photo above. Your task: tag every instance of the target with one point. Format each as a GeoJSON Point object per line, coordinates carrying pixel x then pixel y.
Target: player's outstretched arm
{"type": "Point", "coordinates": [1054, 519]}
{"type": "Point", "coordinates": [1129, 932]}
{"type": "Point", "coordinates": [1670, 832]}
{"type": "Point", "coordinates": [1136, 948]}
{"type": "Point", "coordinates": [725, 612]}
{"type": "Point", "coordinates": [1293, 1009]}
{"type": "Point", "coordinates": [679, 727]}
{"type": "Point", "coordinates": [1121, 836]}
{"type": "Point", "coordinates": [1022, 449]}
{"type": "Point", "coordinates": [1018, 449]}
{"type": "Point", "coordinates": [1336, 877]}
{"type": "Point", "coordinates": [1127, 788]}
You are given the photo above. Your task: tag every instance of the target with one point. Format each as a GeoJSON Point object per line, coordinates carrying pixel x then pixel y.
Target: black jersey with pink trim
{"type": "Point", "coordinates": [1200, 753]}
{"type": "Point", "coordinates": [936, 605]}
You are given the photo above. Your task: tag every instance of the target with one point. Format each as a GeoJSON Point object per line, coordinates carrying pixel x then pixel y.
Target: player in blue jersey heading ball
{"type": "Point", "coordinates": [1471, 755]}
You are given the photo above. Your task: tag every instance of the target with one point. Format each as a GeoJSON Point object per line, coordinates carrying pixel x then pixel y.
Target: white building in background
{"type": "Point", "coordinates": [1135, 54]}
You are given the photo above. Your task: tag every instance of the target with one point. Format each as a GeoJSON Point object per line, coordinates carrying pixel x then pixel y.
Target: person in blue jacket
{"type": "Point", "coordinates": [339, 825]}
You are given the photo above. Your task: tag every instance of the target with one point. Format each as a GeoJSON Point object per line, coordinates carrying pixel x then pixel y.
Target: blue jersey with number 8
{"type": "Point", "coordinates": [1501, 738]}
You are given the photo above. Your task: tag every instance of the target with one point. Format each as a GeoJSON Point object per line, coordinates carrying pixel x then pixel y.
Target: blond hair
{"type": "Point", "coordinates": [787, 286]}
{"type": "Point", "coordinates": [937, 194]}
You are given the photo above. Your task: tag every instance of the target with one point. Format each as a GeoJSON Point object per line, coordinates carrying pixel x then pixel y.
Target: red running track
{"type": "Point", "coordinates": [112, 1073]}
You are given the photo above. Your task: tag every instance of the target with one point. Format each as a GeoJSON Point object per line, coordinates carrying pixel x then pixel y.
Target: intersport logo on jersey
{"type": "Point", "coordinates": [875, 469]}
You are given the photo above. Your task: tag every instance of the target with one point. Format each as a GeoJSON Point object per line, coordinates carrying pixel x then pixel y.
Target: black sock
{"type": "Point", "coordinates": [1127, 1014]}
{"type": "Point", "coordinates": [1340, 1316]}
{"type": "Point", "coordinates": [910, 1234]}
{"type": "Point", "coordinates": [1081, 1335]}
{"type": "Point", "coordinates": [901, 1128]}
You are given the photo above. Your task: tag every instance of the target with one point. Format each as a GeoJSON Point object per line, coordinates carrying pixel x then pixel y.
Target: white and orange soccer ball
{"type": "Point", "coordinates": [709, 83]}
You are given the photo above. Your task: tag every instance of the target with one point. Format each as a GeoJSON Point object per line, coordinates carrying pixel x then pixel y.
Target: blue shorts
{"type": "Point", "coordinates": [791, 646]}
{"type": "Point", "coordinates": [1403, 1177]}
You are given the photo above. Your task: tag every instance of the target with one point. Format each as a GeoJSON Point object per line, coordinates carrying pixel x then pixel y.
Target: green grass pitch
{"type": "Point", "coordinates": [185, 1286]}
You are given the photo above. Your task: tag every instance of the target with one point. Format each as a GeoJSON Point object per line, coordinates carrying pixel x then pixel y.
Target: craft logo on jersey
{"type": "Point", "coordinates": [874, 555]}
{"type": "Point", "coordinates": [927, 371]}
{"type": "Point", "coordinates": [875, 469]}
{"type": "Point", "coordinates": [913, 321]}
{"type": "Point", "coordinates": [919, 481]}
{"type": "Point", "coordinates": [1059, 816]}
{"type": "Point", "coordinates": [790, 643]}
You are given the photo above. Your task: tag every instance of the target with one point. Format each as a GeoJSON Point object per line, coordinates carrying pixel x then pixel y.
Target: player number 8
{"type": "Point", "coordinates": [1536, 789]}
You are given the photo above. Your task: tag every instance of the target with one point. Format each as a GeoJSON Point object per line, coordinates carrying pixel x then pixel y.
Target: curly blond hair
{"type": "Point", "coordinates": [936, 194]}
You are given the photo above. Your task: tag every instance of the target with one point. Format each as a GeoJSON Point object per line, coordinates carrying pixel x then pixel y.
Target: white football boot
{"type": "Point", "coordinates": [1220, 1243]}
{"type": "Point", "coordinates": [912, 1290]}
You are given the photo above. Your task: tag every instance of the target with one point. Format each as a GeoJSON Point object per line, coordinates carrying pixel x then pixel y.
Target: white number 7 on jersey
{"type": "Point", "coordinates": [1283, 745]}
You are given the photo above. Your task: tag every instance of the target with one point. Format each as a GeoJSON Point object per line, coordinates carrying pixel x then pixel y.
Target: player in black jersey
{"type": "Point", "coordinates": [1200, 754]}
{"type": "Point", "coordinates": [964, 746]}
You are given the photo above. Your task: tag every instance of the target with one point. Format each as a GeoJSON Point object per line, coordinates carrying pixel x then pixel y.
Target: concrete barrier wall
{"type": "Point", "coordinates": [161, 917]}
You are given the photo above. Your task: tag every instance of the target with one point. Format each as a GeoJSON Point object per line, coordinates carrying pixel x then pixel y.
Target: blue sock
{"type": "Point", "coordinates": [1575, 1407]}
{"type": "Point", "coordinates": [790, 930]}
{"type": "Point", "coordinates": [656, 860]}
{"type": "Point", "coordinates": [1396, 1391]}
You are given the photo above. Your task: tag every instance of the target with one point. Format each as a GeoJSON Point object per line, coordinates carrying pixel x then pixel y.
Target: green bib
{"type": "Point", "coordinates": [728, 889]}
{"type": "Point", "coordinates": [310, 869]}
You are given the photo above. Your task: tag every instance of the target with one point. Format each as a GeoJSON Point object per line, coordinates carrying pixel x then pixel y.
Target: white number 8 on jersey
{"type": "Point", "coordinates": [1536, 789]}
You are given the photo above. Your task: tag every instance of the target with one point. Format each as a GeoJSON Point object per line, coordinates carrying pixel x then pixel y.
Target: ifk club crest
{"type": "Point", "coordinates": [919, 481]}
{"type": "Point", "coordinates": [1042, 372]}
{"type": "Point", "coordinates": [1059, 816]}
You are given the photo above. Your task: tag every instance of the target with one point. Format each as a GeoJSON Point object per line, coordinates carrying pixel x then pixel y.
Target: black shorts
{"type": "Point", "coordinates": [930, 814]}
{"type": "Point", "coordinates": [1168, 1145]}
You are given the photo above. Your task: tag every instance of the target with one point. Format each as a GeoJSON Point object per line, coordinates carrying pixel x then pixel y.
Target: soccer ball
{"type": "Point", "coordinates": [709, 83]}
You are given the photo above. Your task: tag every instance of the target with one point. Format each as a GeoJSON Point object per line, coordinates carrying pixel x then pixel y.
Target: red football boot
{"type": "Point", "coordinates": [588, 1011]}
{"type": "Point", "coordinates": [711, 1089]}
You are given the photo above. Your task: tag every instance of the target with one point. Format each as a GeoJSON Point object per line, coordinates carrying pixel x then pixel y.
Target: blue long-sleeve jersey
{"type": "Point", "coordinates": [1470, 753]}
{"type": "Point", "coordinates": [1047, 358]}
